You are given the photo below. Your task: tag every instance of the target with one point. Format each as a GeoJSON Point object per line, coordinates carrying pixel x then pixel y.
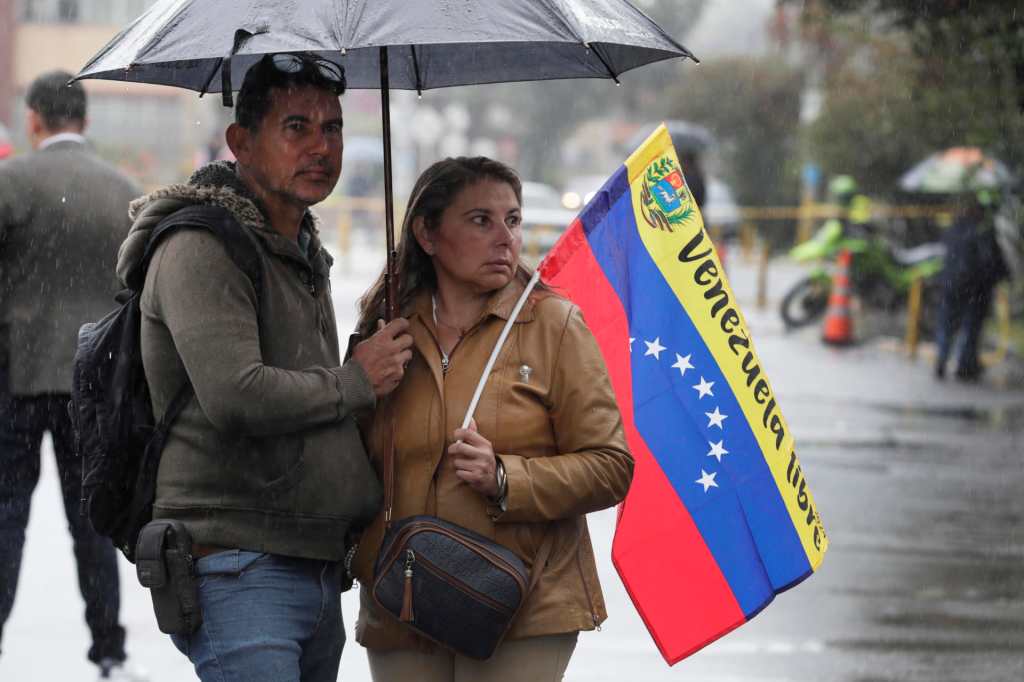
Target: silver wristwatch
{"type": "Point", "coordinates": [502, 498]}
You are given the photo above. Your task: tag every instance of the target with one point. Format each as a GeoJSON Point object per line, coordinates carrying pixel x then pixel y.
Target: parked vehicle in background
{"type": "Point", "coordinates": [721, 213]}
{"type": "Point", "coordinates": [545, 217]}
{"type": "Point", "coordinates": [580, 190]}
{"type": "Point", "coordinates": [881, 275]}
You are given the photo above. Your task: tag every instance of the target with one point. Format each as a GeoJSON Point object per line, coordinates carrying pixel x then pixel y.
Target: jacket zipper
{"type": "Point", "coordinates": [310, 285]}
{"type": "Point", "coordinates": [420, 527]}
{"type": "Point", "coordinates": [446, 358]}
{"type": "Point", "coordinates": [586, 589]}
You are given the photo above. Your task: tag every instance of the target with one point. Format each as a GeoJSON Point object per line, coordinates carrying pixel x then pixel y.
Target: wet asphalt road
{"type": "Point", "coordinates": [918, 483]}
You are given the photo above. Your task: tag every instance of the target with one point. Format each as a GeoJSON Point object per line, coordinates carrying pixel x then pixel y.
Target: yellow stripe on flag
{"type": "Point", "coordinates": [672, 230]}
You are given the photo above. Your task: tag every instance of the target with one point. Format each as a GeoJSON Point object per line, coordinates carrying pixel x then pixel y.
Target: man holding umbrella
{"type": "Point", "coordinates": [264, 465]}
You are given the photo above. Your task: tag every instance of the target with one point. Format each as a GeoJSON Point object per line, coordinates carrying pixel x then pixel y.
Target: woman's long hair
{"type": "Point", "coordinates": [434, 191]}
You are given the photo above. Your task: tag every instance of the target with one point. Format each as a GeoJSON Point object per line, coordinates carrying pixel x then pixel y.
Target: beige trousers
{"type": "Point", "coordinates": [534, 659]}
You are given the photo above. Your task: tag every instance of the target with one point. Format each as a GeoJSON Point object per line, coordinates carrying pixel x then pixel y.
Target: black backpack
{"type": "Point", "coordinates": [116, 434]}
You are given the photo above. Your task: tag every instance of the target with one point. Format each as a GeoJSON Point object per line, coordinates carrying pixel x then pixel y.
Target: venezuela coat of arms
{"type": "Point", "coordinates": [665, 199]}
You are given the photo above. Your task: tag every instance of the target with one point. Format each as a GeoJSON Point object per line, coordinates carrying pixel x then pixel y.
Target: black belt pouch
{"type": "Point", "coordinates": [163, 562]}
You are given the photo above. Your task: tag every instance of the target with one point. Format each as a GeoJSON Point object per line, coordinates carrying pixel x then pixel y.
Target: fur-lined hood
{"type": "Point", "coordinates": [215, 184]}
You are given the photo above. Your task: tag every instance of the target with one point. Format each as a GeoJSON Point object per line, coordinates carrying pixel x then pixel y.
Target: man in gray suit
{"type": "Point", "coordinates": [63, 214]}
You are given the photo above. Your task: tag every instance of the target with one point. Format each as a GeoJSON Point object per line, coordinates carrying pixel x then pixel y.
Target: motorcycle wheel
{"type": "Point", "coordinates": [805, 302]}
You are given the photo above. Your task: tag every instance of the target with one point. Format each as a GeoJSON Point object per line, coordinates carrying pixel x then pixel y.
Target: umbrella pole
{"type": "Point", "coordinates": [390, 302]}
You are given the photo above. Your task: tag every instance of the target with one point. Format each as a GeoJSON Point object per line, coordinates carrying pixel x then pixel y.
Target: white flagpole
{"type": "Point", "coordinates": [497, 347]}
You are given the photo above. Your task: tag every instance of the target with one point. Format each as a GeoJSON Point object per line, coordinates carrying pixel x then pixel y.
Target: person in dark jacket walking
{"type": "Point", "coordinates": [973, 268]}
{"type": "Point", "coordinates": [264, 466]}
{"type": "Point", "coordinates": [62, 213]}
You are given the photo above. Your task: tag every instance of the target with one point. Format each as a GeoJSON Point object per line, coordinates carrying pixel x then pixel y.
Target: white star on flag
{"type": "Point", "coordinates": [717, 450]}
{"type": "Point", "coordinates": [704, 388]}
{"type": "Point", "coordinates": [654, 348]}
{"type": "Point", "coordinates": [707, 480]}
{"type": "Point", "coordinates": [682, 364]}
{"type": "Point", "coordinates": [631, 340]}
{"type": "Point", "coordinates": [716, 418]}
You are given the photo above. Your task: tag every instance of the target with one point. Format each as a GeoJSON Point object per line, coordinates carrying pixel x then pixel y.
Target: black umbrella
{"type": "Point", "coordinates": [385, 44]}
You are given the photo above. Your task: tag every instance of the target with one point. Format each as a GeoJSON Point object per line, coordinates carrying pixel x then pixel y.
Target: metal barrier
{"type": "Point", "coordinates": [914, 317]}
{"type": "Point", "coordinates": [339, 215]}
{"type": "Point", "coordinates": [1003, 320]}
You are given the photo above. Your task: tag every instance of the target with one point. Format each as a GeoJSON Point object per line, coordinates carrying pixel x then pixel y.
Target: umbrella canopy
{"type": "Point", "coordinates": [956, 170]}
{"type": "Point", "coordinates": [207, 47]}
{"type": "Point", "coordinates": [430, 43]}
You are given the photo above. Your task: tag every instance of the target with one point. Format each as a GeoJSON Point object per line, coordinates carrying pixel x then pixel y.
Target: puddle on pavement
{"type": "Point", "coordinates": [960, 623]}
{"type": "Point", "coordinates": [914, 645]}
{"type": "Point", "coordinates": [1000, 416]}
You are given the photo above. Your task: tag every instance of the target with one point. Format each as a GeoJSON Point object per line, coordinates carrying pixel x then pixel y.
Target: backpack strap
{"type": "Point", "coordinates": [222, 223]}
{"type": "Point", "coordinates": [242, 249]}
{"type": "Point", "coordinates": [140, 509]}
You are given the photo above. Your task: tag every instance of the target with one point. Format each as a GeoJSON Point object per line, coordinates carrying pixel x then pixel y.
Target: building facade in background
{"type": "Point", "coordinates": [154, 133]}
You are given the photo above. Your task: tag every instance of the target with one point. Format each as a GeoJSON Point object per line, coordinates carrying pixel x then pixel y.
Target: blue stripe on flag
{"type": "Point", "coordinates": [743, 520]}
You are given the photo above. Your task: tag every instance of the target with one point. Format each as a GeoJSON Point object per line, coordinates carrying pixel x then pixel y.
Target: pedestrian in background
{"type": "Point", "coordinates": [63, 211]}
{"type": "Point", "coordinates": [973, 267]}
{"type": "Point", "coordinates": [546, 448]}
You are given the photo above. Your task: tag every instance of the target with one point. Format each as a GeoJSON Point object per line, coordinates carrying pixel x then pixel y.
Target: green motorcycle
{"type": "Point", "coordinates": [881, 273]}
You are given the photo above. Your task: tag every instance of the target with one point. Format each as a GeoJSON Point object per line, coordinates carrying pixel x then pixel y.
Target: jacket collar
{"type": "Point", "coordinates": [224, 174]}
{"type": "Point", "coordinates": [500, 304]}
{"type": "Point", "coordinates": [63, 141]}
{"type": "Point", "coordinates": [218, 184]}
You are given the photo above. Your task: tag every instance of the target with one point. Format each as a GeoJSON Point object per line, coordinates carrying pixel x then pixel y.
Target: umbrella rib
{"type": "Point", "coordinates": [593, 48]}
{"type": "Point", "coordinates": [209, 79]}
{"type": "Point", "coordinates": [416, 71]}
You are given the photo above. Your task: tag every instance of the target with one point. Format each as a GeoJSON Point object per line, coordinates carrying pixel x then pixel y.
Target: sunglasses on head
{"type": "Point", "coordinates": [287, 62]}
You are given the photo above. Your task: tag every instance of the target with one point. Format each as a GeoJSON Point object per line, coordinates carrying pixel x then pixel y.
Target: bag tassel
{"type": "Point", "coordinates": [407, 616]}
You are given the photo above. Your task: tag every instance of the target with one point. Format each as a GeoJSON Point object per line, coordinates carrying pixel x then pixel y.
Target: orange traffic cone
{"type": "Point", "coordinates": [838, 323]}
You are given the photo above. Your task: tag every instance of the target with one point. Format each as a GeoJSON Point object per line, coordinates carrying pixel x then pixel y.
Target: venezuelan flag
{"type": "Point", "coordinates": [719, 518]}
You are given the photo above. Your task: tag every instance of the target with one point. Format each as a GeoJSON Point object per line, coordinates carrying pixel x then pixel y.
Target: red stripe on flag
{"type": "Point", "coordinates": [658, 551]}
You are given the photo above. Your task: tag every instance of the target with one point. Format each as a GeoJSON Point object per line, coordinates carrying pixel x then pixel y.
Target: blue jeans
{"type": "Point", "coordinates": [266, 618]}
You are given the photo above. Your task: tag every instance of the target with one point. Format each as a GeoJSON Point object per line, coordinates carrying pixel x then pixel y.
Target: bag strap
{"type": "Point", "coordinates": [389, 455]}
{"type": "Point", "coordinates": [240, 247]}
{"type": "Point", "coordinates": [544, 552]}
{"type": "Point", "coordinates": [222, 223]}
{"type": "Point", "coordinates": [541, 560]}
{"type": "Point", "coordinates": [389, 472]}
{"type": "Point", "coordinates": [243, 252]}
{"type": "Point", "coordinates": [139, 511]}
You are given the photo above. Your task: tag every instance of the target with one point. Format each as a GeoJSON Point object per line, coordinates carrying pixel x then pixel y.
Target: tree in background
{"type": "Point", "coordinates": [752, 106]}
{"type": "Point", "coordinates": [938, 74]}
{"type": "Point", "coordinates": [545, 113]}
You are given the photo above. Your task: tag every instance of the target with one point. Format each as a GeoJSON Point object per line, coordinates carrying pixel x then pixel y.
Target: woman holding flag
{"type": "Point", "coordinates": [547, 443]}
